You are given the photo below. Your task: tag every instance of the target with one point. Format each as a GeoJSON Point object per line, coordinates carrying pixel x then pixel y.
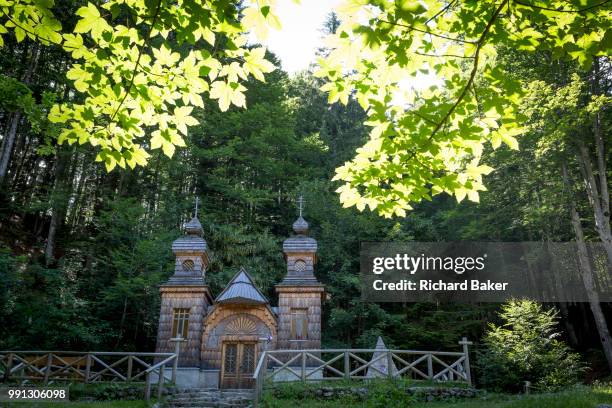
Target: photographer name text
{"type": "Point", "coordinates": [439, 285]}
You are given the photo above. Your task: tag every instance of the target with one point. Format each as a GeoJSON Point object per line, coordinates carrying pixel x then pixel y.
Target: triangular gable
{"type": "Point", "coordinates": [241, 289]}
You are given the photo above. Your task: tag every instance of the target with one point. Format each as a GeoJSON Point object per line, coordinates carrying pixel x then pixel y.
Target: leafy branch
{"type": "Point", "coordinates": [36, 35]}
{"type": "Point", "coordinates": [413, 28]}
{"type": "Point", "coordinates": [137, 64]}
{"type": "Point", "coordinates": [582, 10]}
{"type": "Point", "coordinates": [479, 43]}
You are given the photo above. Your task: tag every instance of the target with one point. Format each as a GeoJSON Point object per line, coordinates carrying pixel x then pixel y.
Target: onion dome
{"type": "Point", "coordinates": [300, 252]}
{"type": "Point", "coordinates": [300, 242]}
{"type": "Point", "coordinates": [194, 227]}
{"type": "Point", "coordinates": [192, 241]}
{"type": "Point", "coordinates": [191, 252]}
{"type": "Point", "coordinates": [300, 226]}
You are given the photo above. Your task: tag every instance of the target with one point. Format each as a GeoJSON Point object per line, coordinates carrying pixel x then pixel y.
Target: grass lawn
{"type": "Point", "coordinates": [105, 395]}
{"type": "Point", "coordinates": [582, 397]}
{"type": "Point", "coordinates": [578, 397]}
{"type": "Point", "coordinates": [78, 404]}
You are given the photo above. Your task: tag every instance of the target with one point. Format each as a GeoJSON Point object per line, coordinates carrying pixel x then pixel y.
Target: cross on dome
{"type": "Point", "coordinates": [300, 226]}
{"type": "Point", "coordinates": [194, 227]}
{"type": "Point", "coordinates": [301, 202]}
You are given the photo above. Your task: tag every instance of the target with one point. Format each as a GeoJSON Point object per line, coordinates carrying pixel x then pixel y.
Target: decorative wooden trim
{"type": "Point", "coordinates": [211, 357]}
{"type": "Point", "coordinates": [301, 289]}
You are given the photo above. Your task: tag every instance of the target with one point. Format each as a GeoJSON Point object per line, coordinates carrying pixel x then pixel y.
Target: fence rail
{"type": "Point", "coordinates": [361, 364]}
{"type": "Point", "coordinates": [50, 367]}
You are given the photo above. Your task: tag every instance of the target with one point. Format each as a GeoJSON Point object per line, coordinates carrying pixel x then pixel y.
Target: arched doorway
{"type": "Point", "coordinates": [233, 344]}
{"type": "Point", "coordinates": [238, 364]}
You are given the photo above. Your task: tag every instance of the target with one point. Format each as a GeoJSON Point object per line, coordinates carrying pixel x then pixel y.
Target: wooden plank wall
{"type": "Point", "coordinates": [195, 299]}
{"type": "Point", "coordinates": [299, 297]}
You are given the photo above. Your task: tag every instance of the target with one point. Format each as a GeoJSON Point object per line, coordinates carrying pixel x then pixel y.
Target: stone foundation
{"type": "Point", "coordinates": [191, 378]}
{"type": "Point", "coordinates": [287, 375]}
{"type": "Point", "coordinates": [361, 392]}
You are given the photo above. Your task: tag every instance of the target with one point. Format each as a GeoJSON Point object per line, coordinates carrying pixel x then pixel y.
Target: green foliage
{"type": "Point", "coordinates": [142, 66]}
{"type": "Point", "coordinates": [573, 397]}
{"type": "Point", "coordinates": [106, 391]}
{"type": "Point", "coordinates": [15, 96]}
{"type": "Point", "coordinates": [383, 394]}
{"type": "Point", "coordinates": [135, 261]}
{"type": "Point", "coordinates": [89, 404]}
{"type": "Point", "coordinates": [561, 113]}
{"type": "Point", "coordinates": [526, 347]}
{"type": "Point", "coordinates": [380, 393]}
{"type": "Point", "coordinates": [425, 142]}
{"type": "Point", "coordinates": [112, 246]}
{"type": "Point", "coordinates": [41, 308]}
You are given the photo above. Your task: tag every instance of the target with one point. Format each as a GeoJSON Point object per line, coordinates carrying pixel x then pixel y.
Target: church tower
{"type": "Point", "coordinates": [300, 293]}
{"type": "Point", "coordinates": [185, 297]}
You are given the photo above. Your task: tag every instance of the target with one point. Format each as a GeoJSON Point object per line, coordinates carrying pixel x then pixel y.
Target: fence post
{"type": "Point", "coordinates": [9, 366]}
{"type": "Point", "coordinates": [527, 387]}
{"type": "Point", "coordinates": [259, 380]}
{"type": "Point", "coordinates": [466, 362]}
{"type": "Point", "coordinates": [430, 372]}
{"type": "Point", "coordinates": [160, 382]}
{"type": "Point", "coordinates": [48, 368]}
{"type": "Point", "coordinates": [87, 367]}
{"type": "Point", "coordinates": [389, 364]}
{"type": "Point", "coordinates": [303, 366]}
{"type": "Point", "coordinates": [147, 395]}
{"type": "Point", "coordinates": [177, 349]}
{"type": "Point", "coordinates": [263, 374]}
{"type": "Point", "coordinates": [347, 365]}
{"type": "Point", "coordinates": [129, 368]}
{"type": "Point", "coordinates": [257, 390]}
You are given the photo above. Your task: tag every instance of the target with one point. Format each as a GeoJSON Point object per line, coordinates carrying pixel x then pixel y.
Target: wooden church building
{"type": "Point", "coordinates": [222, 337]}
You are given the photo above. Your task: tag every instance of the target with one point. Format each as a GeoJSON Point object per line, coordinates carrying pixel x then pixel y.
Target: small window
{"type": "Point", "coordinates": [188, 265]}
{"type": "Point", "coordinates": [180, 323]}
{"type": "Point", "coordinates": [299, 324]}
{"type": "Point", "coordinates": [231, 356]}
{"type": "Point", "coordinates": [300, 266]}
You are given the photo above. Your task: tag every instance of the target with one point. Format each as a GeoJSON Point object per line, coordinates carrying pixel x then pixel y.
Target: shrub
{"type": "Point", "coordinates": [106, 391]}
{"type": "Point", "coordinates": [385, 394]}
{"type": "Point", "coordinates": [526, 347]}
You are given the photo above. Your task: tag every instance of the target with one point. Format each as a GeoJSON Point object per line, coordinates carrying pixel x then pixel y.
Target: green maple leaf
{"type": "Point", "coordinates": [91, 21]}
{"type": "Point", "coordinates": [165, 56]}
{"type": "Point", "coordinates": [182, 120]}
{"type": "Point", "coordinates": [256, 64]}
{"type": "Point", "coordinates": [228, 93]}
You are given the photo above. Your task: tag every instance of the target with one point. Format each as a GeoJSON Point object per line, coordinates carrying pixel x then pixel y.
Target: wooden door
{"type": "Point", "coordinates": [239, 360]}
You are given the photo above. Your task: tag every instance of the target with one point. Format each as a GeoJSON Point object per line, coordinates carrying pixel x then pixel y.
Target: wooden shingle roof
{"type": "Point", "coordinates": [241, 289]}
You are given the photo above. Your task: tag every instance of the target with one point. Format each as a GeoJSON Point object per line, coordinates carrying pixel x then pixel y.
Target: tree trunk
{"type": "Point", "coordinates": [7, 145]}
{"type": "Point", "coordinates": [586, 271]}
{"type": "Point", "coordinates": [558, 289]}
{"type": "Point", "coordinates": [9, 139]}
{"type": "Point", "coordinates": [58, 200]}
{"type": "Point", "coordinates": [78, 195]}
{"type": "Point", "coordinates": [601, 214]}
{"type": "Point", "coordinates": [597, 184]}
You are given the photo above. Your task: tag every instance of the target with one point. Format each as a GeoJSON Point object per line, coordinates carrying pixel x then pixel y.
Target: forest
{"type": "Point", "coordinates": [83, 250]}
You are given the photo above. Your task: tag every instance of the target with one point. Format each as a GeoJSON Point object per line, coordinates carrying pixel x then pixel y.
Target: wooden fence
{"type": "Point", "coordinates": [361, 364]}
{"type": "Point", "coordinates": [51, 367]}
